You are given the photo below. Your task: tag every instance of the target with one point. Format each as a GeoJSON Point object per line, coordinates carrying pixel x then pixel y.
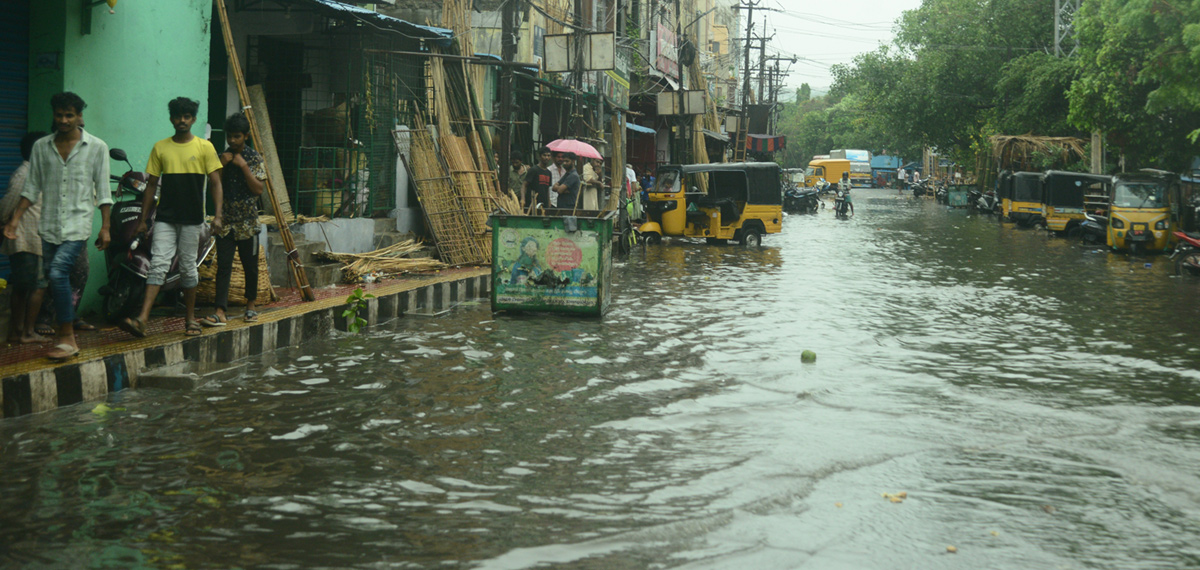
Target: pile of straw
{"type": "Point", "coordinates": [206, 291]}
{"type": "Point", "coordinates": [1016, 152]}
{"type": "Point", "coordinates": [387, 262]}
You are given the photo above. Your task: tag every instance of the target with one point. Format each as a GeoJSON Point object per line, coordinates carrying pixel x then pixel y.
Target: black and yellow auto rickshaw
{"type": "Point", "coordinates": [1065, 196]}
{"type": "Point", "coordinates": [1142, 211]}
{"type": "Point", "coordinates": [717, 202]}
{"type": "Point", "coordinates": [1024, 202]}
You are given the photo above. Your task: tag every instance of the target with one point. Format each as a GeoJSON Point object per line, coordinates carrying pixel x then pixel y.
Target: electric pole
{"type": "Point", "coordinates": [508, 52]}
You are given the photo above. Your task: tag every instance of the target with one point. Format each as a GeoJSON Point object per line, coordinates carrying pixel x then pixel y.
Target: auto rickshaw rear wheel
{"type": "Point", "coordinates": [751, 237]}
{"type": "Point", "coordinates": [653, 237]}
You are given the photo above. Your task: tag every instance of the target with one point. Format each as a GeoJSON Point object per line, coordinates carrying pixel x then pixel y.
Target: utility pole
{"type": "Point", "coordinates": [1065, 45]}
{"type": "Point", "coordinates": [1064, 27]}
{"type": "Point", "coordinates": [739, 147]}
{"type": "Point", "coordinates": [508, 52]}
{"type": "Point", "coordinates": [577, 118]}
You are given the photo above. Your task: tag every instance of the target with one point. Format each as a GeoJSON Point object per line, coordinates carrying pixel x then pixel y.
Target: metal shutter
{"type": "Point", "coordinates": [14, 84]}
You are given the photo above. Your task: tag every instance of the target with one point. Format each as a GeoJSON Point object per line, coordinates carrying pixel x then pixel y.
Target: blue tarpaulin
{"type": "Point", "coordinates": [640, 129]}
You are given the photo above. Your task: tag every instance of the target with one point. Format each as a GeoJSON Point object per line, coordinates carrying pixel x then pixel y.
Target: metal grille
{"type": "Point", "coordinates": [334, 99]}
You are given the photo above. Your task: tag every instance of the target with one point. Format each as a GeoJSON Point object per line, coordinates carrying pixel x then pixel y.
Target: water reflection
{"type": "Point", "coordinates": [1033, 397]}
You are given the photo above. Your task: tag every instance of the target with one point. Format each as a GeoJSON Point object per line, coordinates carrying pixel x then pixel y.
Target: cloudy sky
{"type": "Point", "coordinates": [822, 34]}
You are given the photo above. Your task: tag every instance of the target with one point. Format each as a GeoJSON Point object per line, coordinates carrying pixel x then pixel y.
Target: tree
{"type": "Point", "coordinates": [1137, 78]}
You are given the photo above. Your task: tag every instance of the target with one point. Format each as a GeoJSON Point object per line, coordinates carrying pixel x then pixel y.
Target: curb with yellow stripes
{"type": "Point", "coordinates": [39, 385]}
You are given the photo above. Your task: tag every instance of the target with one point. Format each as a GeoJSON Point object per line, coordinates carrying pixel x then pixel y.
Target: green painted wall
{"type": "Point", "coordinates": [131, 64]}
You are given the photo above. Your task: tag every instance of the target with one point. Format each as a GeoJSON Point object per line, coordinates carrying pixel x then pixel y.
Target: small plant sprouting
{"type": "Point", "coordinates": [357, 300]}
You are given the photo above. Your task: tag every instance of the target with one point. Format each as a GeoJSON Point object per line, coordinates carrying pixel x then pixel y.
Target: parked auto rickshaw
{"type": "Point", "coordinates": [717, 202]}
{"type": "Point", "coordinates": [1065, 195]}
{"type": "Point", "coordinates": [1004, 184]}
{"type": "Point", "coordinates": [1024, 205]}
{"type": "Point", "coordinates": [1142, 211]}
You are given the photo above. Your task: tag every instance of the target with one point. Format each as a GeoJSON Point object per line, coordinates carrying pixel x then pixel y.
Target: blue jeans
{"type": "Point", "coordinates": [58, 259]}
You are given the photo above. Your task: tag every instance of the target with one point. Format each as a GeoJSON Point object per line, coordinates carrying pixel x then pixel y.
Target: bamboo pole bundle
{"type": "Point", "coordinates": [456, 244]}
{"type": "Point", "coordinates": [385, 262]}
{"type": "Point", "coordinates": [475, 197]}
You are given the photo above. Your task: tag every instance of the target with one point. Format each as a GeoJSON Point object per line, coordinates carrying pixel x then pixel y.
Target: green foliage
{"type": "Point", "coordinates": [1139, 61]}
{"type": "Point", "coordinates": [356, 302]}
{"type": "Point", "coordinates": [961, 70]}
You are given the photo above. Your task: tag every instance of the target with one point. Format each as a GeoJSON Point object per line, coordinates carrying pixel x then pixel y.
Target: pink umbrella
{"type": "Point", "coordinates": [576, 146]}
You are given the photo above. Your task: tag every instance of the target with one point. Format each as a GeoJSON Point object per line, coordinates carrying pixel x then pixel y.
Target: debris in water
{"type": "Point", "coordinates": [951, 550]}
{"type": "Point", "coordinates": [808, 356]}
{"type": "Point", "coordinates": [896, 497]}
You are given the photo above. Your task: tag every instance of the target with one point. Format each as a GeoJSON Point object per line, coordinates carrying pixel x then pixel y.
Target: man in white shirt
{"type": "Point", "coordinates": [68, 174]}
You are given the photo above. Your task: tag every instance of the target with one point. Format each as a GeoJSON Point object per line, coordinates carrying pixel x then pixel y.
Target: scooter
{"type": "Point", "coordinates": [1187, 253]}
{"type": "Point", "coordinates": [128, 255]}
{"type": "Point", "coordinates": [920, 189]}
{"type": "Point", "coordinates": [802, 201]}
{"type": "Point", "coordinates": [985, 203]}
{"type": "Point", "coordinates": [1094, 228]}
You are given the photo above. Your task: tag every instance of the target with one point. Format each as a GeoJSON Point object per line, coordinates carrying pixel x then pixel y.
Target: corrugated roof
{"type": "Point", "coordinates": [335, 8]}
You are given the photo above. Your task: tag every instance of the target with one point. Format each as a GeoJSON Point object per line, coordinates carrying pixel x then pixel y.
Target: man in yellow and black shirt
{"type": "Point", "coordinates": [182, 166]}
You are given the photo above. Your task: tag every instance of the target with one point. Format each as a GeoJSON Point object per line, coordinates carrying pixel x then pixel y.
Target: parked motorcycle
{"type": "Point", "coordinates": [802, 201]}
{"type": "Point", "coordinates": [920, 188]}
{"type": "Point", "coordinates": [942, 195]}
{"type": "Point", "coordinates": [1187, 253]}
{"type": "Point", "coordinates": [128, 255]}
{"type": "Point", "coordinates": [1094, 228]}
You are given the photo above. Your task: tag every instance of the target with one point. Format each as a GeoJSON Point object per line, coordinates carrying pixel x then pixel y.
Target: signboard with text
{"type": "Point", "coordinates": [667, 52]}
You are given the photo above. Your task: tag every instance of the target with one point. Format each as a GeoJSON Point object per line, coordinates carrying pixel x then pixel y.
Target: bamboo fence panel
{"type": "Point", "coordinates": [439, 198]}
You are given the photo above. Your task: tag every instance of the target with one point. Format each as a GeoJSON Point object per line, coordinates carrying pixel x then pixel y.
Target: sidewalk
{"type": "Point", "coordinates": [117, 357]}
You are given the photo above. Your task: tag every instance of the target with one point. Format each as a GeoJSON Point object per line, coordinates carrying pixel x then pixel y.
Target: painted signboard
{"type": "Point", "coordinates": [538, 265]}
{"type": "Point", "coordinates": [667, 60]}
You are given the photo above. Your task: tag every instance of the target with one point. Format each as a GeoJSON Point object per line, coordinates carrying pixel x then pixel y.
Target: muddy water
{"type": "Point", "coordinates": [1036, 401]}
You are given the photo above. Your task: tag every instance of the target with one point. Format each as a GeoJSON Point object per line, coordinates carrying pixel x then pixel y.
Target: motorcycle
{"type": "Point", "coordinates": [920, 189]}
{"type": "Point", "coordinates": [127, 258]}
{"type": "Point", "coordinates": [942, 195]}
{"type": "Point", "coordinates": [841, 207]}
{"type": "Point", "coordinates": [802, 201]}
{"type": "Point", "coordinates": [1188, 253]}
{"type": "Point", "coordinates": [1094, 228]}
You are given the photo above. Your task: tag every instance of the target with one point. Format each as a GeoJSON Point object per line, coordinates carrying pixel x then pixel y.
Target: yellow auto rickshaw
{"type": "Point", "coordinates": [718, 202]}
{"type": "Point", "coordinates": [1142, 211]}
{"type": "Point", "coordinates": [1023, 202]}
{"type": "Point", "coordinates": [1065, 195]}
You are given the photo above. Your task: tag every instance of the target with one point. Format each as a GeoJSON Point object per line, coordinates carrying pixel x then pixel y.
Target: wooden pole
{"type": "Point", "coordinates": [285, 233]}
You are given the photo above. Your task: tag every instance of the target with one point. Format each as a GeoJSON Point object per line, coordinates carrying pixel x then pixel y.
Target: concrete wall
{"type": "Point", "coordinates": [344, 235]}
{"type": "Point", "coordinates": [131, 64]}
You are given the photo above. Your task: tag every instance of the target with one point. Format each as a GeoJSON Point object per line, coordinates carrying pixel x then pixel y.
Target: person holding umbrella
{"type": "Point", "coordinates": [568, 185]}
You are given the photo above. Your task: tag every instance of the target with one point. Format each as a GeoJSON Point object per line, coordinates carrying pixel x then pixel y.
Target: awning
{"type": "Point", "coordinates": [765, 143]}
{"type": "Point", "coordinates": [416, 31]}
{"type": "Point", "coordinates": [640, 129]}
{"type": "Point", "coordinates": [716, 136]}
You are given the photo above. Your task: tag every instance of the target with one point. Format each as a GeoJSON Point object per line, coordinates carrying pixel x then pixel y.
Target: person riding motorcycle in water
{"type": "Point", "coordinates": [844, 188]}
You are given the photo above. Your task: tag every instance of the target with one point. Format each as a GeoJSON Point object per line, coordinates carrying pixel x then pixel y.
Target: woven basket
{"type": "Point", "coordinates": [206, 291]}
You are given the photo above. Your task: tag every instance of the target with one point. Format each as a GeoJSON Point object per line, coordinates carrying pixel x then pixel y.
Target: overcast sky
{"type": "Point", "coordinates": [822, 34]}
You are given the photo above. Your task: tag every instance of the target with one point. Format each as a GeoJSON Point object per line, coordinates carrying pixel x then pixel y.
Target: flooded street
{"type": "Point", "coordinates": [1036, 400]}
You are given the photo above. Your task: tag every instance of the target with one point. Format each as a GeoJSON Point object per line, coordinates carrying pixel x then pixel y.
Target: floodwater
{"type": "Point", "coordinates": [1035, 400]}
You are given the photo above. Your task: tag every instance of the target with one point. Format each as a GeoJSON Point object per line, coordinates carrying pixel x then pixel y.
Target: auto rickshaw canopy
{"type": "Point", "coordinates": [1063, 189]}
{"type": "Point", "coordinates": [1027, 187]}
{"type": "Point", "coordinates": [749, 182]}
